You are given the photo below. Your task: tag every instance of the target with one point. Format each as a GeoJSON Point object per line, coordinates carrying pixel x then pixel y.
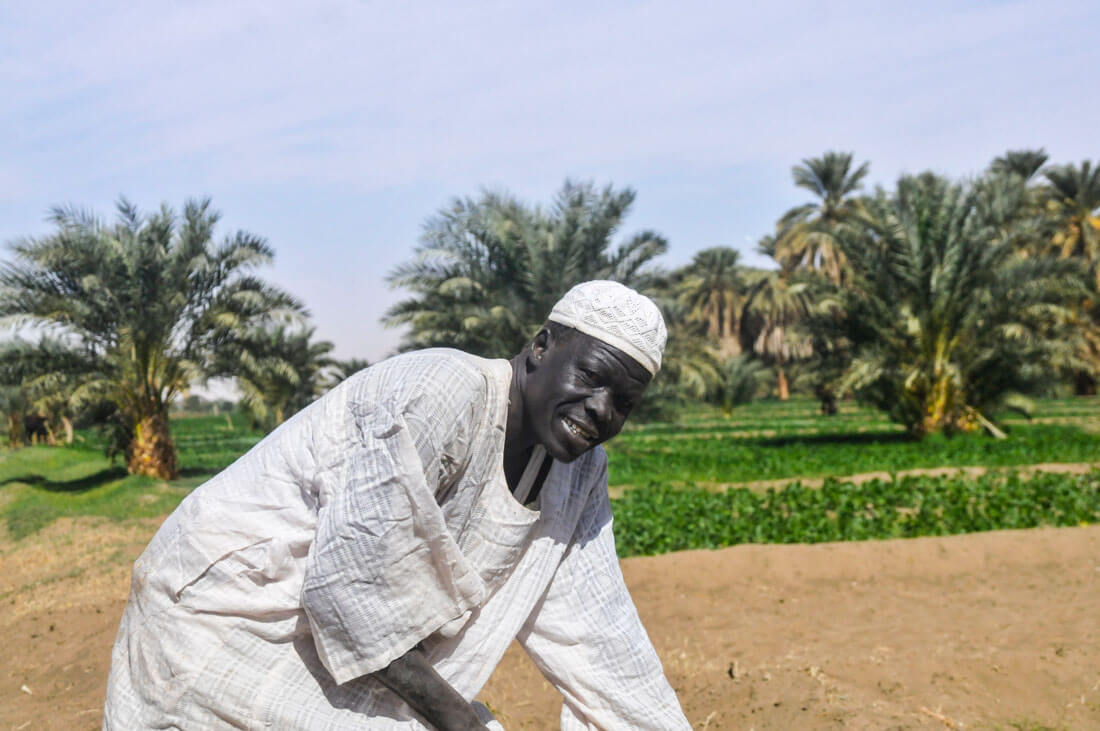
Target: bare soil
{"type": "Point", "coordinates": [996, 630]}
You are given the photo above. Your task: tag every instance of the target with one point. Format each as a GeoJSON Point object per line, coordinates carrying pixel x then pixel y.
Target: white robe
{"type": "Point", "coordinates": [375, 519]}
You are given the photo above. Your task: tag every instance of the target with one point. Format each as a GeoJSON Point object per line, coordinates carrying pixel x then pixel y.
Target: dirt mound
{"type": "Point", "coordinates": [985, 630]}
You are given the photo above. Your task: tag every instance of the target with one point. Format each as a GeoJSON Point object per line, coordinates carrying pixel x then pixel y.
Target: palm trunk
{"type": "Point", "coordinates": [65, 422]}
{"type": "Point", "coordinates": [151, 451]}
{"type": "Point", "coordinates": [723, 330]}
{"type": "Point", "coordinates": [729, 346]}
{"type": "Point", "coordinates": [782, 386]}
{"type": "Point", "coordinates": [827, 398]}
{"type": "Point", "coordinates": [15, 430]}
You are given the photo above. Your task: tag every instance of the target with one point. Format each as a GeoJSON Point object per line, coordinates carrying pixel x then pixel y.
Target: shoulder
{"type": "Point", "coordinates": [438, 367]}
{"type": "Point", "coordinates": [448, 399]}
{"type": "Point", "coordinates": [440, 374]}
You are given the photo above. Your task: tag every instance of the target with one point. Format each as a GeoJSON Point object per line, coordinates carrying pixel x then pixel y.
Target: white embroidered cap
{"type": "Point", "coordinates": [617, 315]}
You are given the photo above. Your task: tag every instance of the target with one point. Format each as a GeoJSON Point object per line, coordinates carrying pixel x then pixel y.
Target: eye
{"type": "Point", "coordinates": [588, 374]}
{"type": "Point", "coordinates": [624, 403]}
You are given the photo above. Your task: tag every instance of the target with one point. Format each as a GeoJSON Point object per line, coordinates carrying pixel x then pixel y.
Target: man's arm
{"type": "Point", "coordinates": [586, 638]}
{"type": "Point", "coordinates": [414, 679]}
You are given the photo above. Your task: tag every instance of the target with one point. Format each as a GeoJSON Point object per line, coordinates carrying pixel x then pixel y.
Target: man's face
{"type": "Point", "coordinates": [580, 393]}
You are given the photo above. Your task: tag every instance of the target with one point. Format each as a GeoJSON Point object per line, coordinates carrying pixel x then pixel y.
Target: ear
{"type": "Point", "coordinates": [539, 346]}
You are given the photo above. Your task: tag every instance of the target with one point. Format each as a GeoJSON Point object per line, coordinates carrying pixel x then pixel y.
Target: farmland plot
{"type": "Point", "coordinates": [990, 630]}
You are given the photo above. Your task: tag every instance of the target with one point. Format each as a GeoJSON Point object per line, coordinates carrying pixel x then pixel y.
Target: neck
{"type": "Point", "coordinates": [518, 437]}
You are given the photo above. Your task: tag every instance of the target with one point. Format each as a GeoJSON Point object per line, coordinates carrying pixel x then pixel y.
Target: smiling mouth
{"type": "Point", "coordinates": [580, 430]}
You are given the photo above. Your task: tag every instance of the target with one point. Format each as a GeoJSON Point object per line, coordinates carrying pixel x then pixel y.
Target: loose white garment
{"type": "Point", "coordinates": [376, 519]}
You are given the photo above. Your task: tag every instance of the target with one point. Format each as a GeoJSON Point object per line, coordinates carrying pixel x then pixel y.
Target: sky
{"type": "Point", "coordinates": [334, 129]}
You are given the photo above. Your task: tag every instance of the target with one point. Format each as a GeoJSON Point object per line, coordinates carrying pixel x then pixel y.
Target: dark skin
{"type": "Point", "coordinates": [569, 393]}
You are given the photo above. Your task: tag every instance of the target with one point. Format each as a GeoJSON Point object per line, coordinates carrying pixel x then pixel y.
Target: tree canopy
{"type": "Point", "coordinates": [943, 317]}
{"type": "Point", "coordinates": [138, 310]}
{"type": "Point", "coordinates": [488, 270]}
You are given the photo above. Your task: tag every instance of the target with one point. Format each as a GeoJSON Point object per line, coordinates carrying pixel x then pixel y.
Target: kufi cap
{"type": "Point", "coordinates": [618, 316]}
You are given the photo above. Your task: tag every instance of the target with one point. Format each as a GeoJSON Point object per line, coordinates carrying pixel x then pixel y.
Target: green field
{"type": "Point", "coordinates": [773, 440]}
{"type": "Point", "coordinates": [40, 484]}
{"type": "Point", "coordinates": [668, 474]}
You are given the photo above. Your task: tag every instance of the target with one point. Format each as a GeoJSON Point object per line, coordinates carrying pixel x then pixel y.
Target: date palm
{"type": "Point", "coordinates": [806, 234]}
{"type": "Point", "coordinates": [1024, 163]}
{"type": "Point", "coordinates": [943, 319]}
{"type": "Point", "coordinates": [775, 307]}
{"type": "Point", "coordinates": [1074, 201]}
{"type": "Point", "coordinates": [142, 305]}
{"type": "Point", "coordinates": [691, 370]}
{"type": "Point", "coordinates": [340, 370]}
{"type": "Point", "coordinates": [1073, 204]}
{"type": "Point", "coordinates": [279, 372]}
{"type": "Point", "coordinates": [51, 376]}
{"type": "Point", "coordinates": [488, 270]}
{"type": "Point", "coordinates": [712, 290]}
{"type": "Point", "coordinates": [13, 406]}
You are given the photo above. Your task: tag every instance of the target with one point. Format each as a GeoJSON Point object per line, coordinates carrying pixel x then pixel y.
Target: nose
{"type": "Point", "coordinates": [599, 405]}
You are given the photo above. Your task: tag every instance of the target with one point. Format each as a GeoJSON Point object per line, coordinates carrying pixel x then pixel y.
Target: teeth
{"type": "Point", "coordinates": [575, 428]}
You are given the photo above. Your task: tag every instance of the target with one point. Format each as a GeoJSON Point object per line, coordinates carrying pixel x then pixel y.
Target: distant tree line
{"type": "Point", "coordinates": [938, 301]}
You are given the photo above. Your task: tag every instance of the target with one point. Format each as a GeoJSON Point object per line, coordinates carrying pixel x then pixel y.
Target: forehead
{"type": "Point", "coordinates": [610, 361]}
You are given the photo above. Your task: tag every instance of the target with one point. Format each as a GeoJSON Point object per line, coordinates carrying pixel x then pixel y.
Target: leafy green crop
{"type": "Point", "coordinates": [655, 519]}
{"type": "Point", "coordinates": [686, 458]}
{"type": "Point", "coordinates": [207, 444]}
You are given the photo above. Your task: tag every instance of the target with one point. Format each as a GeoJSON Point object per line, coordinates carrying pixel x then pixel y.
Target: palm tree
{"type": "Point", "coordinates": [1074, 202]}
{"type": "Point", "coordinates": [944, 320]}
{"type": "Point", "coordinates": [487, 271]}
{"type": "Point", "coordinates": [690, 368]}
{"type": "Point", "coordinates": [1024, 163]}
{"type": "Point", "coordinates": [13, 405]}
{"type": "Point", "coordinates": [1073, 205]}
{"type": "Point", "coordinates": [774, 308]}
{"type": "Point", "coordinates": [743, 377]}
{"type": "Point", "coordinates": [806, 237]}
{"type": "Point", "coordinates": [712, 290]}
{"type": "Point", "coordinates": [279, 372]}
{"type": "Point", "coordinates": [55, 379]}
{"type": "Point", "coordinates": [341, 370]}
{"type": "Point", "coordinates": [143, 306]}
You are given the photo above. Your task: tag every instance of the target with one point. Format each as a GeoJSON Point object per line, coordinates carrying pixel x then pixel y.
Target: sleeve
{"type": "Point", "coordinates": [586, 638]}
{"type": "Point", "coordinates": [383, 572]}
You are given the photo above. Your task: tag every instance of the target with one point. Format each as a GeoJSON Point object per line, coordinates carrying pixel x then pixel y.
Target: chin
{"type": "Point", "coordinates": [560, 455]}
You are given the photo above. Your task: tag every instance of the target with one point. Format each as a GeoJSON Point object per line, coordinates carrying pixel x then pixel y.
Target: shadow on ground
{"type": "Point", "coordinates": [75, 485]}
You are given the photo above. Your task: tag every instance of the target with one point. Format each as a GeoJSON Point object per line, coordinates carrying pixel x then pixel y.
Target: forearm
{"type": "Point", "coordinates": [413, 678]}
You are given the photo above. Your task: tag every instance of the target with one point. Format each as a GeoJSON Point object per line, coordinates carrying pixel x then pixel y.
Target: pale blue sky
{"type": "Point", "coordinates": [335, 128]}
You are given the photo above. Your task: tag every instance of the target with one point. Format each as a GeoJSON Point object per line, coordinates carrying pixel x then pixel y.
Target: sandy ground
{"type": "Point", "coordinates": [995, 630]}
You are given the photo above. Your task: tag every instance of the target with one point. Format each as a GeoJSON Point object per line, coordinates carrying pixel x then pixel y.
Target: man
{"type": "Point", "coordinates": [367, 564]}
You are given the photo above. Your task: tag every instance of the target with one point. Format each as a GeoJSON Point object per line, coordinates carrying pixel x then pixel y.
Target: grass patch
{"type": "Point", "coordinates": [32, 508]}
{"type": "Point", "coordinates": [41, 484]}
{"type": "Point", "coordinates": [64, 467]}
{"type": "Point", "coordinates": [637, 460]}
{"type": "Point", "coordinates": [654, 519]}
